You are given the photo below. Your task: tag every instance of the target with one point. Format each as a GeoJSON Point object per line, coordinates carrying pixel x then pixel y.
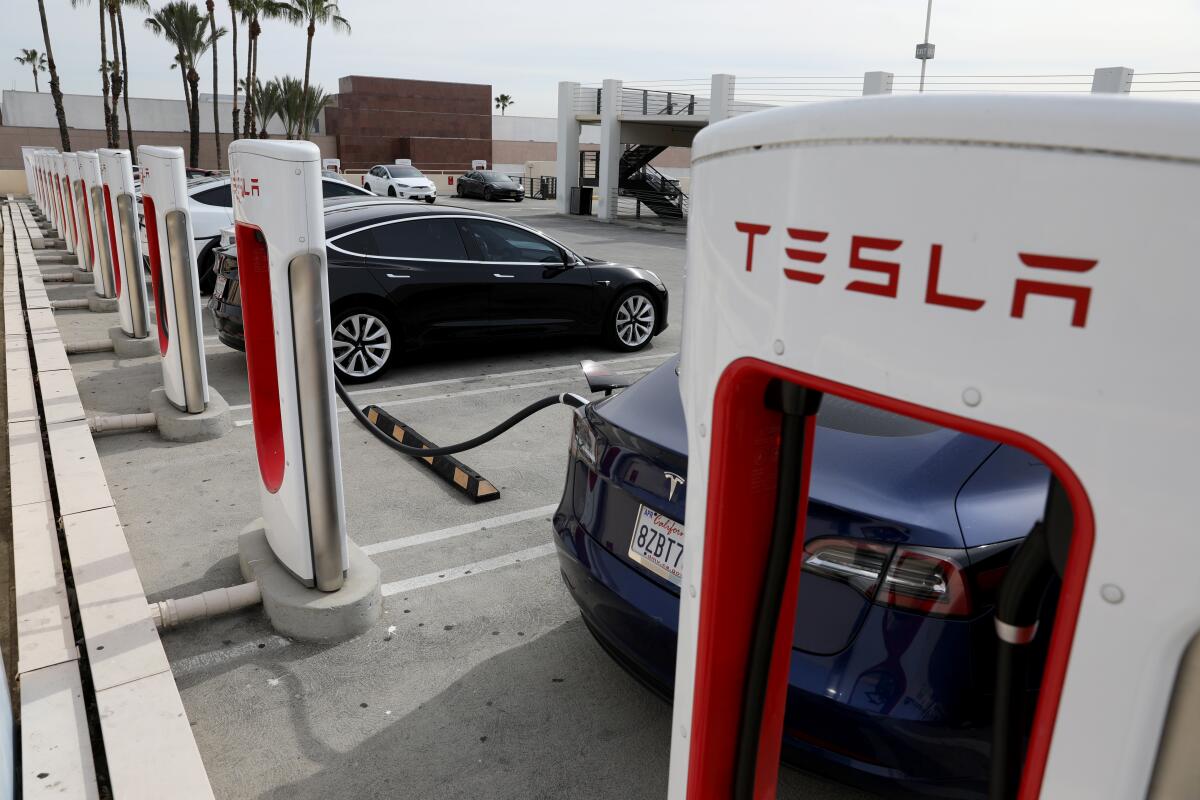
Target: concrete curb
{"type": "Point", "coordinates": [83, 276]}
{"type": "Point", "coordinates": [299, 612]}
{"type": "Point", "coordinates": [179, 426]}
{"type": "Point", "coordinates": [126, 347]}
{"type": "Point", "coordinates": [100, 305]}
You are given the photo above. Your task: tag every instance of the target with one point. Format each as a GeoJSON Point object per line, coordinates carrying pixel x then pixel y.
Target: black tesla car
{"type": "Point", "coordinates": [490, 185]}
{"type": "Point", "coordinates": [403, 275]}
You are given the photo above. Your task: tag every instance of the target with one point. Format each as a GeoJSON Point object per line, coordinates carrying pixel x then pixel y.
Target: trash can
{"type": "Point", "coordinates": [546, 187]}
{"type": "Point", "coordinates": [581, 200]}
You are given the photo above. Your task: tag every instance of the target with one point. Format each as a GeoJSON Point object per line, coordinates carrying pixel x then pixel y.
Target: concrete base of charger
{"type": "Point", "coordinates": [101, 305]}
{"type": "Point", "coordinates": [180, 426]}
{"type": "Point", "coordinates": [299, 612]}
{"type": "Point", "coordinates": [127, 347]}
{"type": "Point", "coordinates": [83, 276]}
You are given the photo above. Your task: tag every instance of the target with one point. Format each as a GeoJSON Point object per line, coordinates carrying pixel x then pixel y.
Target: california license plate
{"type": "Point", "coordinates": [657, 544]}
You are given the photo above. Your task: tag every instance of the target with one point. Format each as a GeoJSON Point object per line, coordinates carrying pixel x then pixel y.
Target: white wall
{"type": "Point", "coordinates": [36, 110]}
{"type": "Point", "coordinates": [536, 129]}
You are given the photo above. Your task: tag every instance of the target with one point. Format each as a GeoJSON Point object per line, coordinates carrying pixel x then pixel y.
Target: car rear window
{"type": "Point", "coordinates": [217, 196]}
{"type": "Point", "coordinates": [335, 188]}
{"type": "Point", "coordinates": [419, 238]}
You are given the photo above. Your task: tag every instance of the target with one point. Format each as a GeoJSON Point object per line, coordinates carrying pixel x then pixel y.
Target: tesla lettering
{"type": "Point", "coordinates": [864, 252]}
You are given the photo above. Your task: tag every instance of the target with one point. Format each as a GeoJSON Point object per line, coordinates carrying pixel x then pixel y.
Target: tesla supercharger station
{"type": "Point", "coordinates": [63, 190]}
{"type": "Point", "coordinates": [173, 277]}
{"type": "Point", "coordinates": [1015, 267]}
{"type": "Point", "coordinates": [280, 230]}
{"type": "Point", "coordinates": [84, 247]}
{"type": "Point", "coordinates": [116, 170]}
{"type": "Point", "coordinates": [93, 184]}
{"type": "Point", "coordinates": [27, 162]}
{"type": "Point", "coordinates": [54, 189]}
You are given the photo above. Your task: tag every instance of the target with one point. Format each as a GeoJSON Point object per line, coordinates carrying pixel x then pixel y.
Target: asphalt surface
{"type": "Point", "coordinates": [487, 686]}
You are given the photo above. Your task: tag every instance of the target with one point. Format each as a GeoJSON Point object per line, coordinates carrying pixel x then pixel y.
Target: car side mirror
{"type": "Point", "coordinates": [601, 378]}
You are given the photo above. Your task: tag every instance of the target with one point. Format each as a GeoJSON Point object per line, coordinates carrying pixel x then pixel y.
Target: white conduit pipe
{"type": "Point", "coordinates": [61, 304]}
{"type": "Point", "coordinates": [89, 346]}
{"type": "Point", "coordinates": [103, 423]}
{"type": "Point", "coordinates": [170, 613]}
{"type": "Point", "coordinates": [62, 278]}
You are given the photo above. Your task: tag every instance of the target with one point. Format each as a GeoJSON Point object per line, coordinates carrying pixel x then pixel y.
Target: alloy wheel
{"type": "Point", "coordinates": [635, 320]}
{"type": "Point", "coordinates": [362, 344]}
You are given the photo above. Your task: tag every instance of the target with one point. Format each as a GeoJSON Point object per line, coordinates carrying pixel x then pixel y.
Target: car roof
{"type": "Point", "coordinates": [355, 212]}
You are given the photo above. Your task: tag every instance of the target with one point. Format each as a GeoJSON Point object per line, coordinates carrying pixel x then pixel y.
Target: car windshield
{"type": "Point", "coordinates": [403, 172]}
{"type": "Point", "coordinates": [495, 176]}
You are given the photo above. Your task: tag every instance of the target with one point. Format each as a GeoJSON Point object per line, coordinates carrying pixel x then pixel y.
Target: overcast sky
{"type": "Point", "coordinates": [524, 47]}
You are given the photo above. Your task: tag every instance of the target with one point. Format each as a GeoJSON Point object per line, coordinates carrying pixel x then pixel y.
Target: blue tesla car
{"type": "Point", "coordinates": [910, 529]}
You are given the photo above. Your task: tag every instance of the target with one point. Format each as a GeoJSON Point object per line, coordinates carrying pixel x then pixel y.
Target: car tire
{"type": "Point", "coordinates": [430, 200]}
{"type": "Point", "coordinates": [206, 264]}
{"type": "Point", "coordinates": [487, 193]}
{"type": "Point", "coordinates": [364, 342]}
{"type": "Point", "coordinates": [391, 191]}
{"type": "Point", "coordinates": [458, 189]}
{"type": "Point", "coordinates": [520, 198]}
{"type": "Point", "coordinates": [631, 321]}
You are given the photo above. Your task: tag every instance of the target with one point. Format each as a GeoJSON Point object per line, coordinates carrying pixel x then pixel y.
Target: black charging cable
{"type": "Point", "coordinates": [566, 398]}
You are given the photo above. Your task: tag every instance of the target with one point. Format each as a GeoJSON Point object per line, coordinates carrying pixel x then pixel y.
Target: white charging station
{"type": "Point", "coordinates": [84, 247]}
{"type": "Point", "coordinates": [173, 277]}
{"type": "Point", "coordinates": [1015, 267]}
{"type": "Point", "coordinates": [52, 191]}
{"type": "Point", "coordinates": [63, 185]}
{"type": "Point", "coordinates": [280, 230]}
{"type": "Point", "coordinates": [27, 162]}
{"type": "Point", "coordinates": [97, 207]}
{"type": "Point", "coordinates": [39, 194]}
{"type": "Point", "coordinates": [116, 169]}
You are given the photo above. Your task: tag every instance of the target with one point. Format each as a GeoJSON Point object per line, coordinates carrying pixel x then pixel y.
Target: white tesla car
{"type": "Point", "coordinates": [400, 180]}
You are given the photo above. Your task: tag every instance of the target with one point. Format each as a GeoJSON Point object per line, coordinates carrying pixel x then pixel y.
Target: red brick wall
{"type": "Point", "coordinates": [438, 125]}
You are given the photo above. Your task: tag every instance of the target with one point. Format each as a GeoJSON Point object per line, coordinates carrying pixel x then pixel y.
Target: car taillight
{"type": "Point", "coordinates": [927, 580]}
{"type": "Point", "coordinates": [583, 439]}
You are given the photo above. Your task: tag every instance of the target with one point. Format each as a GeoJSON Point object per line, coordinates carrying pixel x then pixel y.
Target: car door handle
{"type": "Point", "coordinates": [500, 275]}
{"type": "Point", "coordinates": [394, 275]}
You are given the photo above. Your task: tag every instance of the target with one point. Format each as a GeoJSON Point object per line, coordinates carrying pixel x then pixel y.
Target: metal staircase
{"type": "Point", "coordinates": [647, 186]}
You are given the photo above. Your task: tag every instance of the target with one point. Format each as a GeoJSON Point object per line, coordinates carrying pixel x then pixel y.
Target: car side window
{"type": "Point", "coordinates": [219, 196]}
{"type": "Point", "coordinates": [333, 188]}
{"type": "Point", "coordinates": [496, 241]}
{"type": "Point", "coordinates": [427, 238]}
{"type": "Point", "coordinates": [361, 242]}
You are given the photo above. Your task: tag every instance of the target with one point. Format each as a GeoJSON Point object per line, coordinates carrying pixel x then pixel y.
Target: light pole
{"type": "Point", "coordinates": [925, 49]}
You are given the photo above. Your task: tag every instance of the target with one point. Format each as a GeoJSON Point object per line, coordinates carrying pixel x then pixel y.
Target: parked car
{"type": "Point", "coordinates": [403, 275]}
{"type": "Point", "coordinates": [210, 202]}
{"type": "Point", "coordinates": [400, 180]}
{"type": "Point", "coordinates": [910, 528]}
{"type": "Point", "coordinates": [490, 185]}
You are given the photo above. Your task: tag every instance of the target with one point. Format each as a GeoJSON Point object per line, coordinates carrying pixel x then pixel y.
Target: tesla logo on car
{"type": "Point", "coordinates": [673, 482]}
{"type": "Point", "coordinates": [802, 239]}
{"type": "Point", "coordinates": [245, 188]}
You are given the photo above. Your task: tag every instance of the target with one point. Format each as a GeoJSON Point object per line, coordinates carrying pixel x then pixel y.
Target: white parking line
{"type": "Point", "coordinates": [490, 376]}
{"type": "Point", "coordinates": [454, 573]}
{"type": "Point", "coordinates": [204, 661]}
{"type": "Point", "coordinates": [458, 530]}
{"type": "Point", "coordinates": [241, 423]}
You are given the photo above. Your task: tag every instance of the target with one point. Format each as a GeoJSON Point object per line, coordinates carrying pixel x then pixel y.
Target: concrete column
{"type": "Point", "coordinates": [877, 83]}
{"type": "Point", "coordinates": [610, 150]}
{"type": "Point", "coordinates": [720, 102]}
{"type": "Point", "coordinates": [567, 167]}
{"type": "Point", "coordinates": [1112, 80]}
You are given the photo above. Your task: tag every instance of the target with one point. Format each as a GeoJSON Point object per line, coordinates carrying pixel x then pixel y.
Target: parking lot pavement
{"type": "Point", "coordinates": [480, 680]}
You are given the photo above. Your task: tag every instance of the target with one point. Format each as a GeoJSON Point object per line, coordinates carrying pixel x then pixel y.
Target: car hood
{"type": "Point", "coordinates": [411, 181]}
{"type": "Point", "coordinates": [878, 465]}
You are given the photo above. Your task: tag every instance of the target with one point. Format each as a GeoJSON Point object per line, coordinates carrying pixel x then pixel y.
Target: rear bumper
{"type": "Point", "coordinates": [228, 321]}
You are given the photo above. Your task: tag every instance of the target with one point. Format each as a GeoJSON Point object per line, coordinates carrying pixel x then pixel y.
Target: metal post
{"type": "Point", "coordinates": [691, 105]}
{"type": "Point", "coordinates": [925, 52]}
{"type": "Point", "coordinates": [670, 105]}
{"type": "Point", "coordinates": [645, 101]}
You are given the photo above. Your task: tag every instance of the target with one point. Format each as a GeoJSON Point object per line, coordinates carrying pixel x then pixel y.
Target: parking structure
{"type": "Point", "coordinates": [481, 679]}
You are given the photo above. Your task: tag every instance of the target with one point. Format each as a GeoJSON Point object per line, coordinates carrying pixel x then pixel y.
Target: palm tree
{"type": "Point", "coordinates": [137, 5]}
{"type": "Point", "coordinates": [325, 12]}
{"type": "Point", "coordinates": [212, 24]}
{"type": "Point", "coordinates": [35, 60]}
{"type": "Point", "coordinates": [254, 13]}
{"type": "Point", "coordinates": [104, 67]}
{"type": "Point", "coordinates": [233, 13]}
{"type": "Point", "coordinates": [503, 101]}
{"type": "Point", "coordinates": [182, 24]}
{"type": "Point", "coordinates": [268, 103]}
{"type": "Point", "coordinates": [55, 91]}
{"type": "Point", "coordinates": [114, 136]}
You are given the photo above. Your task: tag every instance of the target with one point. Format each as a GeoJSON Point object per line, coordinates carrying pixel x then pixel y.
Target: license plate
{"type": "Point", "coordinates": [219, 288]}
{"type": "Point", "coordinates": [657, 544]}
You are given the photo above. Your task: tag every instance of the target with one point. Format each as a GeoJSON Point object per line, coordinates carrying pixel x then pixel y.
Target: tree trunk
{"type": "Point", "coordinates": [35, 81]}
{"type": "Point", "coordinates": [55, 91]}
{"type": "Point", "coordinates": [193, 79]}
{"type": "Point", "coordinates": [115, 135]}
{"type": "Point", "coordinates": [302, 133]}
{"type": "Point", "coordinates": [125, 84]}
{"type": "Point", "coordinates": [234, 27]}
{"type": "Point", "coordinates": [254, 77]}
{"type": "Point", "coordinates": [212, 24]}
{"type": "Point", "coordinates": [251, 104]}
{"type": "Point", "coordinates": [103, 4]}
